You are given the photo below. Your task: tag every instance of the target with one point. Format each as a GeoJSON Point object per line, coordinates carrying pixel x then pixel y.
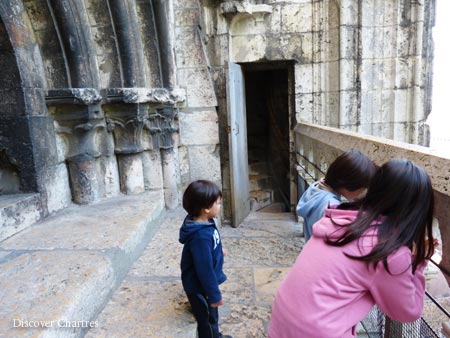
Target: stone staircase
{"type": "Point", "coordinates": [261, 185]}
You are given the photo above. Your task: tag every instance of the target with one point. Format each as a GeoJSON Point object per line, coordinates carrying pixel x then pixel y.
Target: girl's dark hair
{"type": "Point", "coordinates": [351, 170]}
{"type": "Point", "coordinates": [400, 203]}
{"type": "Point", "coordinates": [200, 195]}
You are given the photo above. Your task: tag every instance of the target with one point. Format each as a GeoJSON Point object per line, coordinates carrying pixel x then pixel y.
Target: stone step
{"type": "Point", "coordinates": [260, 182]}
{"type": "Point", "coordinates": [59, 273]}
{"type": "Point", "coordinates": [17, 212]}
{"type": "Point", "coordinates": [258, 167]}
{"type": "Point", "coordinates": [274, 207]}
{"type": "Point", "coordinates": [260, 199]}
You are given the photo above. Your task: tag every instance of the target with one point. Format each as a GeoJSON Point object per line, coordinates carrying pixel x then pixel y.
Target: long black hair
{"type": "Point", "coordinates": [400, 203]}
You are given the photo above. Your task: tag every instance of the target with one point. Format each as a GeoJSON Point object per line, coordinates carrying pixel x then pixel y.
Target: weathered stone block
{"type": "Point", "coordinates": [303, 78]}
{"type": "Point", "coordinates": [11, 78]}
{"type": "Point", "coordinates": [326, 76]}
{"type": "Point", "coordinates": [111, 180]}
{"type": "Point", "coordinates": [248, 25]}
{"type": "Point", "coordinates": [38, 14]}
{"type": "Point", "coordinates": [183, 159]}
{"type": "Point", "coordinates": [190, 123]}
{"type": "Point", "coordinates": [118, 224]}
{"type": "Point", "coordinates": [17, 212]}
{"type": "Point", "coordinates": [348, 110]}
{"type": "Point", "coordinates": [389, 41]}
{"type": "Point", "coordinates": [56, 288]}
{"type": "Point", "coordinates": [185, 4]}
{"type": "Point", "coordinates": [153, 177]}
{"type": "Point", "coordinates": [55, 71]}
{"type": "Point", "coordinates": [326, 45]}
{"type": "Point", "coordinates": [304, 107]}
{"type": "Point", "coordinates": [326, 107]}
{"type": "Point", "coordinates": [103, 37]}
{"type": "Point", "coordinates": [349, 40]}
{"type": "Point", "coordinates": [288, 47]}
{"type": "Point", "coordinates": [188, 50]}
{"type": "Point", "coordinates": [248, 48]}
{"type": "Point", "coordinates": [370, 102]}
{"type": "Point", "coordinates": [410, 40]}
{"type": "Point", "coordinates": [408, 71]}
{"type": "Point", "coordinates": [131, 174]}
{"type": "Point", "coordinates": [187, 17]}
{"type": "Point", "coordinates": [349, 13]}
{"type": "Point", "coordinates": [12, 102]}
{"type": "Point", "coordinates": [275, 19]}
{"type": "Point", "coordinates": [171, 177]}
{"type": "Point", "coordinates": [307, 46]}
{"type": "Point", "coordinates": [29, 60]}
{"type": "Point", "coordinates": [348, 73]}
{"type": "Point", "coordinates": [205, 163]}
{"type": "Point", "coordinates": [201, 91]}
{"type": "Point", "coordinates": [404, 100]}
{"type": "Point", "coordinates": [377, 74]}
{"type": "Point", "coordinates": [57, 188]}
{"type": "Point", "coordinates": [296, 18]}
{"type": "Point", "coordinates": [98, 13]}
{"type": "Point", "coordinates": [109, 74]}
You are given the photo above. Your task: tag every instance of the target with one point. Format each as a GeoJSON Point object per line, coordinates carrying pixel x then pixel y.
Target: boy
{"type": "Point", "coordinates": [202, 257]}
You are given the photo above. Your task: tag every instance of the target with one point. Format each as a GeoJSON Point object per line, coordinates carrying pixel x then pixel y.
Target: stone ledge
{"type": "Point", "coordinates": [65, 269]}
{"type": "Point", "coordinates": [17, 212]}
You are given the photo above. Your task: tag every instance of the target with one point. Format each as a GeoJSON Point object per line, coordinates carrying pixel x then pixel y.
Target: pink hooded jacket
{"type": "Point", "coordinates": [326, 294]}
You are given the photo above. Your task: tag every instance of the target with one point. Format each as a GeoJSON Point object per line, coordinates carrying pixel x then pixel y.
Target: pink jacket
{"type": "Point", "coordinates": [326, 294]}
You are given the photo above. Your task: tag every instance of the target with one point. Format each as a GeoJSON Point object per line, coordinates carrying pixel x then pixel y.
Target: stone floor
{"type": "Point", "coordinates": [115, 265]}
{"type": "Point", "coordinates": [150, 301]}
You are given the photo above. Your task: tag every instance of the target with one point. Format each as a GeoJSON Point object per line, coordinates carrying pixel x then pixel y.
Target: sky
{"type": "Point", "coordinates": [439, 119]}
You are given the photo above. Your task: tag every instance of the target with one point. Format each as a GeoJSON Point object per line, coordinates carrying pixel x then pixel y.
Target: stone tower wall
{"type": "Point", "coordinates": [108, 97]}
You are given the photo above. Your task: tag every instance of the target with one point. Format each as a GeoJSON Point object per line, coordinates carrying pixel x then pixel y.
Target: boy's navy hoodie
{"type": "Point", "coordinates": [202, 259]}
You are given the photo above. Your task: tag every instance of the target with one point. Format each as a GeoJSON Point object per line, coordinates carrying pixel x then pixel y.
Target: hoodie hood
{"type": "Point", "coordinates": [333, 225]}
{"type": "Point", "coordinates": [334, 222]}
{"type": "Point", "coordinates": [190, 227]}
{"type": "Point", "coordinates": [314, 197]}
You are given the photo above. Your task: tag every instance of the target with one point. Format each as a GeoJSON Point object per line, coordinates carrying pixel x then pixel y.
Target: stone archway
{"type": "Point", "coordinates": [26, 131]}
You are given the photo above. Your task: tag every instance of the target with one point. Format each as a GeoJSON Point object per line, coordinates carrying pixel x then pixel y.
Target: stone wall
{"type": "Point", "coordinates": [362, 66]}
{"type": "Point", "coordinates": [99, 90]}
{"type": "Point", "coordinates": [104, 98]}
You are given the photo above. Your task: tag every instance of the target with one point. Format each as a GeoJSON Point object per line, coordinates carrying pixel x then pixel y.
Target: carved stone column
{"type": "Point", "coordinates": [170, 177]}
{"type": "Point", "coordinates": [126, 113]}
{"type": "Point", "coordinates": [165, 117]}
{"type": "Point", "coordinates": [80, 122]}
{"type": "Point", "coordinates": [141, 120]}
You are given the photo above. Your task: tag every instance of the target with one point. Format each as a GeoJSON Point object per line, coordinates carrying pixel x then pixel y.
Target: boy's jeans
{"type": "Point", "coordinates": [207, 317]}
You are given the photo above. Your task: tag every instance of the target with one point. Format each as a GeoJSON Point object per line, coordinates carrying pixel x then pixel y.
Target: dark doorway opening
{"type": "Point", "coordinates": [267, 106]}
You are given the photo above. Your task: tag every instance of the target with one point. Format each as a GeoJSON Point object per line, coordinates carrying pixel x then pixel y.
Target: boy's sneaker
{"type": "Point", "coordinates": [224, 336]}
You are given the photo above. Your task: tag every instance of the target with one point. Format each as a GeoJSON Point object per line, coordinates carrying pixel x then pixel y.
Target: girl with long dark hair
{"type": "Point", "coordinates": [367, 252]}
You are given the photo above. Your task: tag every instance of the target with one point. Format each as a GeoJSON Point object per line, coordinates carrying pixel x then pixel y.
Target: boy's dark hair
{"type": "Point", "coordinates": [200, 194]}
{"type": "Point", "coordinates": [351, 170]}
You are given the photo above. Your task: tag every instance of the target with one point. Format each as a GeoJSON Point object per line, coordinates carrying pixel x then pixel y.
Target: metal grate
{"type": "Point", "coordinates": [377, 325]}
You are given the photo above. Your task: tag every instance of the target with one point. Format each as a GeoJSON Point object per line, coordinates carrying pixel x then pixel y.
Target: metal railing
{"type": "Point", "coordinates": [377, 325]}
